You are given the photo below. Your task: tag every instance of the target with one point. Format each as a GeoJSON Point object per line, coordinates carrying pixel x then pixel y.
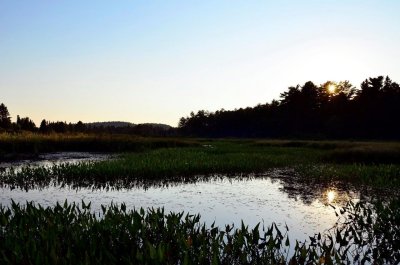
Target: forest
{"type": "Point", "coordinates": [330, 110]}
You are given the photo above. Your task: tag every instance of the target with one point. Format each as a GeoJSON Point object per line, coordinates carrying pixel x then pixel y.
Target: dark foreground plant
{"type": "Point", "coordinates": [69, 234]}
{"type": "Point", "coordinates": [365, 233]}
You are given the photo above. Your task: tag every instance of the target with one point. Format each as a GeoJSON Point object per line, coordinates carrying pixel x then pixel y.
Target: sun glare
{"type": "Point", "coordinates": [331, 88]}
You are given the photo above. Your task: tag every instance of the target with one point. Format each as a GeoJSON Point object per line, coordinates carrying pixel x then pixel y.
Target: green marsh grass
{"type": "Point", "coordinates": [316, 160]}
{"type": "Point", "coordinates": [160, 165]}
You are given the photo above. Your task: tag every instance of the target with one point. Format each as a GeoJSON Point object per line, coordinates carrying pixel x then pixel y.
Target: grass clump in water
{"type": "Point", "coordinates": [228, 157]}
{"type": "Point", "coordinates": [185, 164]}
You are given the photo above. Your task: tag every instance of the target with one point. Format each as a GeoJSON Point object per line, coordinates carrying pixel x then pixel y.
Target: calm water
{"type": "Point", "coordinates": [223, 201]}
{"type": "Point", "coordinates": [276, 196]}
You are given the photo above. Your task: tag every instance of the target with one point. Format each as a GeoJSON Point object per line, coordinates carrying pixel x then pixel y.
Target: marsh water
{"type": "Point", "coordinates": [276, 196]}
{"type": "Point", "coordinates": [49, 159]}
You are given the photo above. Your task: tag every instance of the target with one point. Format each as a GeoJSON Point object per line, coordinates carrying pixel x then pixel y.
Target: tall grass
{"type": "Point", "coordinates": [12, 145]}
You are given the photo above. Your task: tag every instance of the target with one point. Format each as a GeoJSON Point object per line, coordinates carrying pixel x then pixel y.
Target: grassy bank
{"type": "Point", "coordinates": [317, 160]}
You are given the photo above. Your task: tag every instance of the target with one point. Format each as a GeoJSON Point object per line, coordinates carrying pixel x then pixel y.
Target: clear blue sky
{"type": "Point", "coordinates": [155, 61]}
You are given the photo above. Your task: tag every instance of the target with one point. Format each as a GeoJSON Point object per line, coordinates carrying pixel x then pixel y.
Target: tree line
{"type": "Point", "coordinates": [330, 110]}
{"type": "Point", "coordinates": [26, 124]}
{"type": "Point", "coordinates": [48, 127]}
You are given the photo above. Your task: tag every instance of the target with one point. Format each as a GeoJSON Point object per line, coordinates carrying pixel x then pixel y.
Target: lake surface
{"type": "Point", "coordinates": [276, 196]}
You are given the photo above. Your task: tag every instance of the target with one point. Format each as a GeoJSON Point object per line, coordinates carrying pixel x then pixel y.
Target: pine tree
{"type": "Point", "coordinates": [5, 119]}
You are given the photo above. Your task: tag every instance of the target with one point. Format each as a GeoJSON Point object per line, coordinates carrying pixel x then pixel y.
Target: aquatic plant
{"type": "Point", "coordinates": [68, 234]}
{"type": "Point", "coordinates": [72, 234]}
{"type": "Point", "coordinates": [366, 233]}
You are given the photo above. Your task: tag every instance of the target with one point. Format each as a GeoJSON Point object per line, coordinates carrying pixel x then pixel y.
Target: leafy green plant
{"type": "Point", "coordinates": [73, 234]}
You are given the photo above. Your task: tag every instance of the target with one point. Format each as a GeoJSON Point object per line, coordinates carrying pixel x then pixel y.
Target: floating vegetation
{"type": "Point", "coordinates": [72, 234]}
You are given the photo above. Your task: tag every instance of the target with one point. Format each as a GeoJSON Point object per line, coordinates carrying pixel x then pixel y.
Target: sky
{"type": "Point", "coordinates": [156, 61]}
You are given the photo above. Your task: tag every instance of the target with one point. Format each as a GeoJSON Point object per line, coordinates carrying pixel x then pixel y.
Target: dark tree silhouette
{"type": "Point", "coordinates": [334, 110]}
{"type": "Point", "coordinates": [79, 127]}
{"type": "Point", "coordinates": [5, 119]}
{"type": "Point", "coordinates": [43, 127]}
{"type": "Point", "coordinates": [25, 124]}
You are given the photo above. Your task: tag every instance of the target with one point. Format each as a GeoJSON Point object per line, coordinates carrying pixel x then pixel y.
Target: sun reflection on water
{"type": "Point", "coordinates": [331, 196]}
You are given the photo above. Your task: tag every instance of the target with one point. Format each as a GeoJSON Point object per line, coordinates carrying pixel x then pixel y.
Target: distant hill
{"type": "Point", "coordinates": [157, 125]}
{"type": "Point", "coordinates": [121, 124]}
{"type": "Point", "coordinates": [115, 124]}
